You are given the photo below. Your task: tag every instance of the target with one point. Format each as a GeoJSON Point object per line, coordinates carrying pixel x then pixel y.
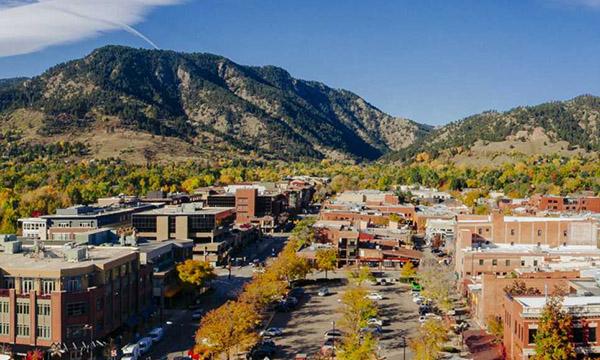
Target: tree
{"type": "Point", "coordinates": [553, 340]}
{"type": "Point", "coordinates": [496, 328]}
{"type": "Point", "coordinates": [408, 270]}
{"type": "Point", "coordinates": [326, 259]}
{"type": "Point", "coordinates": [227, 330]}
{"type": "Point", "coordinates": [437, 281]}
{"type": "Point", "coordinates": [356, 310]}
{"type": "Point", "coordinates": [195, 273]}
{"type": "Point", "coordinates": [263, 289]}
{"type": "Point", "coordinates": [519, 288]}
{"type": "Point", "coordinates": [358, 347]}
{"type": "Point", "coordinates": [428, 342]}
{"type": "Point", "coordinates": [360, 275]}
{"type": "Point", "coordinates": [288, 265]}
{"type": "Point", "coordinates": [303, 233]}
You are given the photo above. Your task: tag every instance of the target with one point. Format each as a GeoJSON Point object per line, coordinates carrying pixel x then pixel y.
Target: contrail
{"type": "Point", "coordinates": [123, 26]}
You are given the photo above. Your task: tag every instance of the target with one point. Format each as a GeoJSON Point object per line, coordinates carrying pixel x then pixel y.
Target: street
{"type": "Point", "coordinates": [179, 326]}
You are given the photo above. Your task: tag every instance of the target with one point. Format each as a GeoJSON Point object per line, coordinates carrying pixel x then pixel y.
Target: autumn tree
{"type": "Point", "coordinates": [495, 328]}
{"type": "Point", "coordinates": [553, 340]}
{"type": "Point", "coordinates": [289, 266]}
{"type": "Point", "coordinates": [437, 281]}
{"type": "Point", "coordinates": [263, 289]}
{"type": "Point", "coordinates": [195, 273]}
{"type": "Point", "coordinates": [227, 330]}
{"type": "Point", "coordinates": [429, 341]}
{"type": "Point", "coordinates": [326, 259]}
{"type": "Point", "coordinates": [303, 233]}
{"type": "Point", "coordinates": [360, 275]}
{"type": "Point", "coordinates": [408, 270]}
{"type": "Point", "coordinates": [519, 288]}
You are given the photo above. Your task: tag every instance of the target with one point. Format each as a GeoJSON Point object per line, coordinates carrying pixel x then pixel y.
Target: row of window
{"type": "Point", "coordinates": [28, 284]}
{"type": "Point", "coordinates": [43, 331]}
{"type": "Point", "coordinates": [506, 262]}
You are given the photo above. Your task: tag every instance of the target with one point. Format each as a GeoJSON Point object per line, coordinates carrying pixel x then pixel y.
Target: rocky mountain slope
{"type": "Point", "coordinates": [147, 104]}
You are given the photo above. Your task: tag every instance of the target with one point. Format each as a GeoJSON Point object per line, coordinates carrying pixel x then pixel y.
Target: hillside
{"type": "Point", "coordinates": [162, 105]}
{"type": "Point", "coordinates": [565, 128]}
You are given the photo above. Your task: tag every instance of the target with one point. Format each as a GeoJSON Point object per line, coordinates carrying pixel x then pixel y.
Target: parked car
{"type": "Point", "coordinates": [296, 292]}
{"type": "Point", "coordinates": [374, 330]}
{"type": "Point", "coordinates": [375, 321]}
{"type": "Point", "coordinates": [328, 347]}
{"type": "Point", "coordinates": [131, 351]}
{"type": "Point", "coordinates": [197, 314]}
{"type": "Point", "coordinates": [156, 334]}
{"type": "Point", "coordinates": [374, 296]}
{"type": "Point", "coordinates": [428, 316]}
{"type": "Point", "coordinates": [262, 350]}
{"type": "Point", "coordinates": [145, 344]}
{"type": "Point", "coordinates": [323, 291]}
{"type": "Point", "coordinates": [333, 334]}
{"type": "Point", "coordinates": [272, 332]}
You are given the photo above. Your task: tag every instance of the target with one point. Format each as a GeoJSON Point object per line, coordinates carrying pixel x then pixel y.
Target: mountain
{"type": "Point", "coordinates": [562, 127]}
{"type": "Point", "coordinates": [134, 103]}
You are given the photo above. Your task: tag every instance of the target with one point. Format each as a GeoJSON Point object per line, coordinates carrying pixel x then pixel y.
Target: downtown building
{"type": "Point", "coordinates": [70, 297]}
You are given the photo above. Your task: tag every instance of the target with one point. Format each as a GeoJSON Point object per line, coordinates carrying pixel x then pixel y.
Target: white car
{"type": "Point", "coordinates": [375, 321]}
{"type": "Point", "coordinates": [272, 331]}
{"type": "Point", "coordinates": [323, 292]}
{"type": "Point", "coordinates": [156, 334]}
{"type": "Point", "coordinates": [429, 316]}
{"type": "Point", "coordinates": [374, 296]}
{"type": "Point", "coordinates": [131, 351]}
{"type": "Point", "coordinates": [145, 344]}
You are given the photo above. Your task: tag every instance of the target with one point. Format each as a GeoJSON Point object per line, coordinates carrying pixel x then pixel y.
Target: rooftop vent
{"type": "Point", "coordinates": [76, 254]}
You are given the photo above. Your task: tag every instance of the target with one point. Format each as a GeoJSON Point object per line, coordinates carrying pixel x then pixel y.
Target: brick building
{"type": "Point", "coordinates": [65, 295]}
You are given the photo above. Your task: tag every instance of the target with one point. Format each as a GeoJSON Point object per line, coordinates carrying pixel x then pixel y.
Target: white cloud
{"type": "Point", "coordinates": [28, 25]}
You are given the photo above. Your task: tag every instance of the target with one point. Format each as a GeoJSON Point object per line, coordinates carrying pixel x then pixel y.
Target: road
{"type": "Point", "coordinates": [180, 328]}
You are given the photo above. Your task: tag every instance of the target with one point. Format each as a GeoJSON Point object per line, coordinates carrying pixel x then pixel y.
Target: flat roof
{"type": "Point", "coordinates": [53, 258]}
{"type": "Point", "coordinates": [569, 301]}
{"type": "Point", "coordinates": [179, 210]}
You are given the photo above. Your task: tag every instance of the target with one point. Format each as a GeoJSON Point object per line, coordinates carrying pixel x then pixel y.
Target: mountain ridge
{"type": "Point", "coordinates": [207, 101]}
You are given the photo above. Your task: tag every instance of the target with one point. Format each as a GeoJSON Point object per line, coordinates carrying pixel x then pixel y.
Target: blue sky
{"type": "Point", "coordinates": [431, 61]}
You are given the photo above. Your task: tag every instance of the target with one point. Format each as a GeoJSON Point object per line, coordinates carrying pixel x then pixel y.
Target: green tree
{"type": "Point", "coordinates": [428, 342]}
{"type": "Point", "coordinates": [553, 340]}
{"type": "Point", "coordinates": [360, 275]}
{"type": "Point", "coordinates": [326, 259]}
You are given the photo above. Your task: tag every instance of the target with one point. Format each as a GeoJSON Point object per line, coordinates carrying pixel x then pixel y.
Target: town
{"type": "Point", "coordinates": [136, 277]}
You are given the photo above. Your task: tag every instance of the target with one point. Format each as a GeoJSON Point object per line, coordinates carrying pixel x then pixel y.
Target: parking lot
{"type": "Point", "coordinates": [304, 327]}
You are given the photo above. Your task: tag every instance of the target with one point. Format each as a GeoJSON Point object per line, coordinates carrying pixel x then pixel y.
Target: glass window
{"type": "Point", "coordinates": [494, 262]}
{"type": "Point", "coordinates": [22, 329]}
{"type": "Point", "coordinates": [4, 328]}
{"type": "Point", "coordinates": [43, 331]}
{"type": "Point", "coordinates": [43, 309]}
{"type": "Point", "coordinates": [23, 308]}
{"type": "Point", "coordinates": [480, 261]}
{"type": "Point", "coordinates": [507, 262]}
{"type": "Point", "coordinates": [26, 285]}
{"type": "Point", "coordinates": [47, 286]}
{"type": "Point", "coordinates": [9, 282]}
{"type": "Point", "coordinates": [76, 309]}
{"type": "Point", "coordinates": [73, 284]}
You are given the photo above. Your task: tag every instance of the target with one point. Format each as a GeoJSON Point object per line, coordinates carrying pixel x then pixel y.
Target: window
{"type": "Point", "coordinates": [480, 261]}
{"type": "Point", "coordinates": [43, 331]}
{"type": "Point", "coordinates": [4, 328]}
{"type": "Point", "coordinates": [592, 335]}
{"type": "Point", "coordinates": [47, 286]}
{"type": "Point", "coordinates": [507, 262]}
{"type": "Point", "coordinates": [4, 307]}
{"type": "Point", "coordinates": [76, 309]}
{"type": "Point", "coordinates": [26, 285]}
{"type": "Point", "coordinates": [480, 231]}
{"type": "Point", "coordinates": [494, 262]}
{"type": "Point", "coordinates": [522, 262]}
{"type": "Point", "coordinates": [565, 233]}
{"type": "Point", "coordinates": [512, 232]}
{"type": "Point", "coordinates": [73, 284]}
{"type": "Point", "coordinates": [43, 309]}
{"type": "Point", "coordinates": [9, 282]}
{"type": "Point", "coordinates": [22, 330]}
{"type": "Point", "coordinates": [539, 232]}
{"type": "Point", "coordinates": [535, 262]}
{"type": "Point", "coordinates": [23, 308]}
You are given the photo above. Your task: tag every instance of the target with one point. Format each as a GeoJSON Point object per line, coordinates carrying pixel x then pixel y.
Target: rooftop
{"type": "Point", "coordinates": [186, 209]}
{"type": "Point", "coordinates": [54, 259]}
{"type": "Point", "coordinates": [569, 301]}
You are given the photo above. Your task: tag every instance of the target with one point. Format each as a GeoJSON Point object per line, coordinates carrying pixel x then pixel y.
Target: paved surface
{"type": "Point", "coordinates": [304, 327]}
{"type": "Point", "coordinates": [179, 335]}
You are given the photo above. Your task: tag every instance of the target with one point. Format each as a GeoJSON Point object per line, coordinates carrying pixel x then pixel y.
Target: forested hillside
{"type": "Point", "coordinates": [567, 128]}
{"type": "Point", "coordinates": [126, 102]}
